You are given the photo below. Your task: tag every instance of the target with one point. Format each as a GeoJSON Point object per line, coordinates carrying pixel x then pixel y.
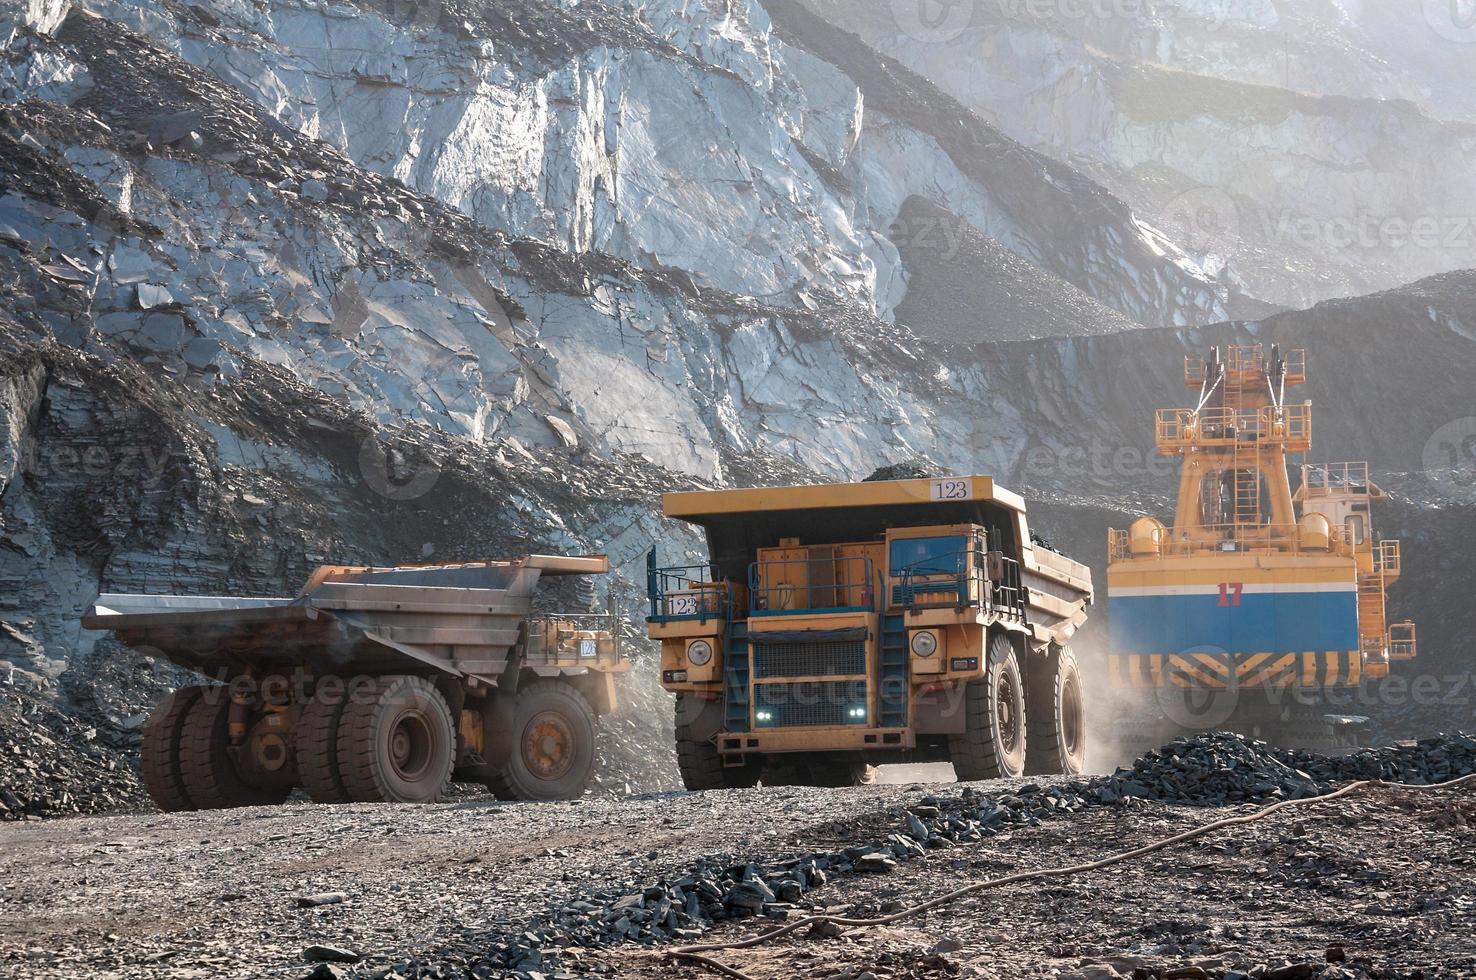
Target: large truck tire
{"type": "Point", "coordinates": [159, 754]}
{"type": "Point", "coordinates": [396, 743]}
{"type": "Point", "coordinates": [552, 750]}
{"type": "Point", "coordinates": [992, 745]}
{"type": "Point", "coordinates": [316, 742]}
{"type": "Point", "coordinates": [207, 767]}
{"type": "Point", "coordinates": [698, 759]}
{"type": "Point", "coordinates": [1056, 715]}
{"type": "Point", "coordinates": [498, 714]}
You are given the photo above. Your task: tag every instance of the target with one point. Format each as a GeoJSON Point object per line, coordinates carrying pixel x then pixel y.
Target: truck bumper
{"type": "Point", "coordinates": [778, 741]}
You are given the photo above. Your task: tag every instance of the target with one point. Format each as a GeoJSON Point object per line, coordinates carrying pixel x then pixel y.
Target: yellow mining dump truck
{"type": "Point", "coordinates": [840, 627]}
{"type": "Point", "coordinates": [374, 685]}
{"type": "Point", "coordinates": [1260, 609]}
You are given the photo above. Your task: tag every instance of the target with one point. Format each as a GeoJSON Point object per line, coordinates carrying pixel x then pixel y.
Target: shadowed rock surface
{"type": "Point", "coordinates": [966, 288]}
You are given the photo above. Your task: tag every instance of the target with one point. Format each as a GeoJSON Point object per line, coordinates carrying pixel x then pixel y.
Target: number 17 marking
{"type": "Point", "coordinates": [1230, 593]}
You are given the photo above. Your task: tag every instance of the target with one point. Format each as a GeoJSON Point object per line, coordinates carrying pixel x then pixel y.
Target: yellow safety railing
{"type": "Point", "coordinates": [1326, 479]}
{"type": "Point", "coordinates": [1388, 558]}
{"type": "Point", "coordinates": [1249, 360]}
{"type": "Point", "coordinates": [1403, 641]}
{"type": "Point", "coordinates": [1296, 366]}
{"type": "Point", "coordinates": [1183, 427]}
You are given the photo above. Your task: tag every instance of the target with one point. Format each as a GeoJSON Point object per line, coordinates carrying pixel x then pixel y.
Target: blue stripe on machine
{"type": "Point", "coordinates": [1285, 621]}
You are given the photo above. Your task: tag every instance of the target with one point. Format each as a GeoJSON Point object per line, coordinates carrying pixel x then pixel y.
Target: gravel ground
{"type": "Point", "coordinates": [1387, 881]}
{"type": "Point", "coordinates": [214, 894]}
{"type": "Point", "coordinates": [423, 892]}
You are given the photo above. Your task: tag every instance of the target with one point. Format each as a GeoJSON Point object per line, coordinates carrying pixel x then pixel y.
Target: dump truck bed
{"type": "Point", "coordinates": [461, 620]}
{"type": "Point", "coordinates": [739, 522]}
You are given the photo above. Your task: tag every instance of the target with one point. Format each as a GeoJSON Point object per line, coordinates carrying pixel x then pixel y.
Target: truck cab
{"type": "Point", "coordinates": [839, 627]}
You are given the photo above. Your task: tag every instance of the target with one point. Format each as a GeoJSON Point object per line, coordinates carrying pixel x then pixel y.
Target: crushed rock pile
{"type": "Point", "coordinates": [1207, 770]}
{"type": "Point", "coordinates": [1218, 768]}
{"type": "Point", "coordinates": [53, 765]}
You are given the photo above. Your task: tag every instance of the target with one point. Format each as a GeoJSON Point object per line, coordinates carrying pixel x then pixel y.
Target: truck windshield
{"type": "Point", "coordinates": [928, 556]}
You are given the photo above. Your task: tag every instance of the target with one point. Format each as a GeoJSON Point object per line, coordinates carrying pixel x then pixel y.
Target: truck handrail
{"type": "Point", "coordinates": [686, 592]}
{"type": "Point", "coordinates": [539, 626]}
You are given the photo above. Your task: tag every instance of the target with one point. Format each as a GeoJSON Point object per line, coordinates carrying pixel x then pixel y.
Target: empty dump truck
{"type": "Point", "coordinates": [374, 685]}
{"type": "Point", "coordinates": [839, 627]}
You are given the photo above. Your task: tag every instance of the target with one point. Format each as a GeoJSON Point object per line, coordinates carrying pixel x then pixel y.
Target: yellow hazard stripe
{"type": "Point", "coordinates": [1282, 664]}
{"type": "Point", "coordinates": [1309, 668]}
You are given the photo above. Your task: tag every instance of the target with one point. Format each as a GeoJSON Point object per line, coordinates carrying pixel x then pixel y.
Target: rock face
{"type": "Point", "coordinates": [964, 283]}
{"type": "Point", "coordinates": [1310, 150]}
{"type": "Point", "coordinates": [294, 282]}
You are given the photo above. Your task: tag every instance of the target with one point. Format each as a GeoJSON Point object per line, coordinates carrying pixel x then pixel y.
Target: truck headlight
{"type": "Point", "coordinates": [700, 653]}
{"type": "Point", "coordinates": [925, 643]}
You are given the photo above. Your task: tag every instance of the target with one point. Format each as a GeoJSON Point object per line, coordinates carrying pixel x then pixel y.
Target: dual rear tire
{"type": "Point", "coordinates": [186, 760]}
{"type": "Point", "coordinates": [393, 740]}
{"type": "Point", "coordinates": [396, 743]}
{"type": "Point", "coordinates": [1019, 722]}
{"type": "Point", "coordinates": [1056, 707]}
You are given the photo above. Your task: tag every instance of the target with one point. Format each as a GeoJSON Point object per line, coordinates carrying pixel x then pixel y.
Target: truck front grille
{"type": "Point", "coordinates": [810, 704]}
{"type": "Point", "coordinates": [831, 658]}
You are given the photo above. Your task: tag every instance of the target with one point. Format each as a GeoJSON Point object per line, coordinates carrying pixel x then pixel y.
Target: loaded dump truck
{"type": "Point", "coordinates": [840, 627]}
{"type": "Point", "coordinates": [374, 685]}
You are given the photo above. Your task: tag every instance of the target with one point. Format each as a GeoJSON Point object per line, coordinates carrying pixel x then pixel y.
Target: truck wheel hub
{"type": "Point", "coordinates": [549, 746]}
{"type": "Point", "coordinates": [1005, 703]}
{"type": "Point", "coordinates": [1072, 729]}
{"type": "Point", "coordinates": [410, 747]}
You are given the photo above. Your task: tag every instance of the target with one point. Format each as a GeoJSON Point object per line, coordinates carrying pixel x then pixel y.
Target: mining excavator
{"type": "Point", "coordinates": [374, 685]}
{"type": "Point", "coordinates": [1261, 608]}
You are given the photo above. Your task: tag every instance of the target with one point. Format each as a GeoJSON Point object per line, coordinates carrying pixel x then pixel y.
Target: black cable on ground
{"type": "Point", "coordinates": [697, 954]}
